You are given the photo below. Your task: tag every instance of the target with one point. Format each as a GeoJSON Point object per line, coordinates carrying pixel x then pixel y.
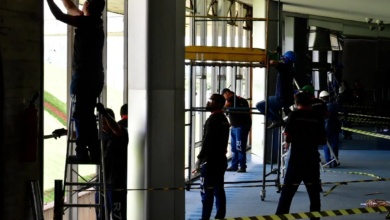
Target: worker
{"type": "Point", "coordinates": [284, 95]}
{"type": "Point", "coordinates": [87, 72]}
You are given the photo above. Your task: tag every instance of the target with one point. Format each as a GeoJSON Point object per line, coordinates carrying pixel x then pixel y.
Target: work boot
{"type": "Point", "coordinates": [241, 170]}
{"type": "Point", "coordinates": [95, 157]}
{"type": "Point", "coordinates": [75, 159]}
{"type": "Point", "coordinates": [80, 157]}
{"type": "Point", "coordinates": [231, 169]}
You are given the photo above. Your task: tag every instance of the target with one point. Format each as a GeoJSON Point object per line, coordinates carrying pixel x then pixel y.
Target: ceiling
{"type": "Point", "coordinates": [353, 10]}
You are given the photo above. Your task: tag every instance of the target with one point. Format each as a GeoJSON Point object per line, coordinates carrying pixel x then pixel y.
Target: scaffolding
{"type": "Point", "coordinates": [234, 57]}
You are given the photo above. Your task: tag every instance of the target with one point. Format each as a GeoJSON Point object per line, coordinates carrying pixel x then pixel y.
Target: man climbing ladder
{"type": "Point", "coordinates": [87, 71]}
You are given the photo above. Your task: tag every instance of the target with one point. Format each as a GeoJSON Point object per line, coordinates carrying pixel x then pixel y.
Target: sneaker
{"type": "Point", "coordinates": [276, 124]}
{"type": "Point", "coordinates": [336, 164]}
{"type": "Point", "coordinates": [241, 170]}
{"type": "Point", "coordinates": [231, 169]}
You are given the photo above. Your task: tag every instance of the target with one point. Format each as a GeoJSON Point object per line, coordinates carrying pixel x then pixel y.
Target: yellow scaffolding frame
{"type": "Point", "coordinates": [231, 54]}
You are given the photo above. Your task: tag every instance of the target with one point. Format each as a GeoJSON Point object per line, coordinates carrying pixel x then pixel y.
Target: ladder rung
{"type": "Point", "coordinates": [82, 184]}
{"type": "Point", "coordinates": [82, 205]}
{"type": "Point", "coordinates": [83, 162]}
{"type": "Point", "coordinates": [95, 185]}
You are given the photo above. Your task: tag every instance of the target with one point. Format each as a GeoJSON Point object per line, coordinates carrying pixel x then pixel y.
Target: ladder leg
{"type": "Point", "coordinates": [74, 182]}
{"type": "Point", "coordinates": [102, 166]}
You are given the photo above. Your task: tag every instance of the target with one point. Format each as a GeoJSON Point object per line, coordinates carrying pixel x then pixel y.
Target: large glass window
{"type": "Point", "coordinates": [208, 28]}
{"type": "Point", "coordinates": [214, 30]}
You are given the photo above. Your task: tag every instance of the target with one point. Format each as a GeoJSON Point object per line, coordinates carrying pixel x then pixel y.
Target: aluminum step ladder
{"type": "Point", "coordinates": [66, 201]}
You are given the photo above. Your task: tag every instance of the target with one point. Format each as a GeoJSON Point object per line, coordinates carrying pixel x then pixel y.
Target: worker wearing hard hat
{"type": "Point", "coordinates": [284, 94]}
{"type": "Point", "coordinates": [333, 129]}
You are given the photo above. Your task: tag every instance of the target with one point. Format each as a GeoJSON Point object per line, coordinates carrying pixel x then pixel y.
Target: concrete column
{"type": "Point", "coordinates": [21, 76]}
{"type": "Point", "coordinates": [296, 28]}
{"type": "Point", "coordinates": [156, 109]}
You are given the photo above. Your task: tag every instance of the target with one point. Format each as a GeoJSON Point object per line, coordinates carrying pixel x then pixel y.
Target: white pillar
{"type": "Point", "coordinates": [156, 108]}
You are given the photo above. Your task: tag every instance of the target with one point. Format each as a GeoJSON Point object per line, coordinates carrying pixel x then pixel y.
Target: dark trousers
{"type": "Point", "coordinates": [119, 203]}
{"type": "Point", "coordinates": [333, 140]}
{"type": "Point", "coordinates": [238, 142]}
{"type": "Point", "coordinates": [212, 185]}
{"type": "Point", "coordinates": [116, 203]}
{"type": "Point", "coordinates": [274, 106]}
{"type": "Point", "coordinates": [86, 93]}
{"type": "Point", "coordinates": [309, 173]}
{"type": "Point", "coordinates": [101, 216]}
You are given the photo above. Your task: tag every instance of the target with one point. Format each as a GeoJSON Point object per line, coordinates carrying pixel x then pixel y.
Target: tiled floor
{"type": "Point", "coordinates": [363, 160]}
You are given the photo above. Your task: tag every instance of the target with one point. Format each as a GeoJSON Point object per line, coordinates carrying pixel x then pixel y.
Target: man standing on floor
{"type": "Point", "coordinates": [115, 157]}
{"type": "Point", "coordinates": [87, 71]}
{"type": "Point", "coordinates": [212, 161]}
{"type": "Point", "coordinates": [304, 131]}
{"type": "Point", "coordinates": [240, 119]}
{"type": "Point", "coordinates": [333, 129]}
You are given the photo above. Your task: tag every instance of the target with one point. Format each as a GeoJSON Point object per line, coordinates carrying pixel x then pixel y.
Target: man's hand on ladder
{"type": "Point", "coordinates": [101, 109]}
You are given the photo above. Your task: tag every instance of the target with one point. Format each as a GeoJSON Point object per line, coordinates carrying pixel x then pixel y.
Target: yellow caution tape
{"type": "Point", "coordinates": [244, 186]}
{"type": "Point", "coordinates": [368, 116]}
{"type": "Point", "coordinates": [329, 213]}
{"type": "Point", "coordinates": [366, 133]}
{"type": "Point", "coordinates": [359, 120]}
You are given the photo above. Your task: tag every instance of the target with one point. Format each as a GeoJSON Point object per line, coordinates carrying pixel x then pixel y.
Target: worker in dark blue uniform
{"type": "Point", "coordinates": [237, 108]}
{"type": "Point", "coordinates": [284, 94]}
{"type": "Point", "coordinates": [87, 71]}
{"type": "Point", "coordinates": [212, 161]}
{"type": "Point", "coordinates": [304, 131]}
{"type": "Point", "coordinates": [333, 129]}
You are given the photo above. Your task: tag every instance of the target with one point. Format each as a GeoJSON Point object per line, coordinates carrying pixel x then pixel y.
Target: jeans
{"type": "Point", "coordinates": [334, 143]}
{"type": "Point", "coordinates": [274, 106]}
{"type": "Point", "coordinates": [101, 216]}
{"type": "Point", "coordinates": [212, 185]}
{"type": "Point", "coordinates": [86, 92]}
{"type": "Point", "coordinates": [116, 203]}
{"type": "Point", "coordinates": [238, 142]}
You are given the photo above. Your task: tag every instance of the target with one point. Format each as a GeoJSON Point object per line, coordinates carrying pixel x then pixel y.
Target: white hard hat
{"type": "Point", "coordinates": [324, 94]}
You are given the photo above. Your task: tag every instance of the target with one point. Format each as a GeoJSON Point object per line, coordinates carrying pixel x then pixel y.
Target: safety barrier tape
{"type": "Point", "coordinates": [378, 178]}
{"type": "Point", "coordinates": [359, 106]}
{"type": "Point", "coordinates": [366, 133]}
{"type": "Point", "coordinates": [241, 186]}
{"type": "Point", "coordinates": [367, 116]}
{"type": "Point", "coordinates": [365, 120]}
{"type": "Point", "coordinates": [328, 213]}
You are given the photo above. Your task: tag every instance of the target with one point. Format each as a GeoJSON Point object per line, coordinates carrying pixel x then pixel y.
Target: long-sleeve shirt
{"type": "Point", "coordinates": [305, 130]}
{"type": "Point", "coordinates": [215, 139]}
{"type": "Point", "coordinates": [284, 83]}
{"type": "Point", "coordinates": [88, 43]}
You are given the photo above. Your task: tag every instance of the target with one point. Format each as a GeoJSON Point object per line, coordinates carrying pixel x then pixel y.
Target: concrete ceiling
{"type": "Point", "coordinates": [353, 10]}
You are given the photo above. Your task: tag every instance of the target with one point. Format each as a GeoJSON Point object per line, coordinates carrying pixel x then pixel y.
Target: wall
{"type": "Point", "coordinates": [21, 35]}
{"type": "Point", "coordinates": [367, 60]}
{"type": "Point", "coordinates": [86, 213]}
